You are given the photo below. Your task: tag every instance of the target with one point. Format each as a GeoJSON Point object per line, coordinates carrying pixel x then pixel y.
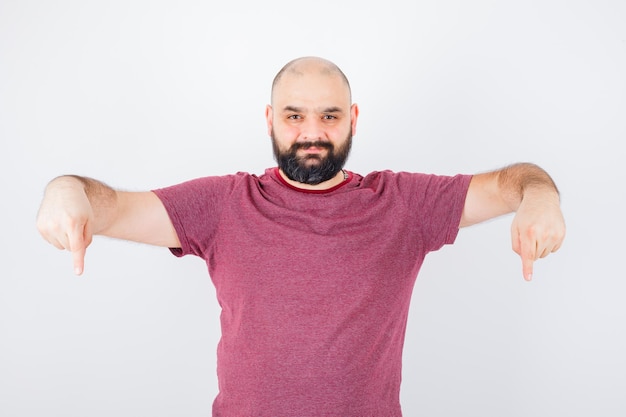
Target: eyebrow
{"type": "Point", "coordinates": [295, 109]}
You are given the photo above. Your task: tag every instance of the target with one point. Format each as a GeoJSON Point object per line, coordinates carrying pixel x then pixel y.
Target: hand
{"type": "Point", "coordinates": [538, 228]}
{"type": "Point", "coordinates": [65, 219]}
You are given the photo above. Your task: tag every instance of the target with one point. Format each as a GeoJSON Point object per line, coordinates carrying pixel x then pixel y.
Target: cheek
{"type": "Point", "coordinates": [285, 133]}
{"type": "Point", "coordinates": [339, 133]}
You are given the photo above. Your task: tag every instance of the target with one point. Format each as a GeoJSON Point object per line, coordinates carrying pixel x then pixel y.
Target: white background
{"type": "Point", "coordinates": [143, 94]}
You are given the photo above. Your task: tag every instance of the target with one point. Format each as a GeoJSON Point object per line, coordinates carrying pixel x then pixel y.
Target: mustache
{"type": "Point", "coordinates": [315, 144]}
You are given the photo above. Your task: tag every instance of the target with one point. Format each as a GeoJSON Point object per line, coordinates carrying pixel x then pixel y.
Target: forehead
{"type": "Point", "coordinates": [311, 88]}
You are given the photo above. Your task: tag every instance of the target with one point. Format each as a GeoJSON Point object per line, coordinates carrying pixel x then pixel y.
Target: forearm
{"type": "Point", "coordinates": [521, 180]}
{"type": "Point", "coordinates": [101, 198]}
{"type": "Point", "coordinates": [538, 227]}
{"type": "Point", "coordinates": [76, 208]}
{"type": "Point", "coordinates": [500, 192]}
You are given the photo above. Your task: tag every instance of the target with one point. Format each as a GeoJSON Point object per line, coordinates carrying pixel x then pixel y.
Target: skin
{"type": "Point", "coordinates": [311, 101]}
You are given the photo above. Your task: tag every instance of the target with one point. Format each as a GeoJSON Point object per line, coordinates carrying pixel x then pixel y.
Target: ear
{"type": "Point", "coordinates": [269, 115]}
{"type": "Point", "coordinates": [354, 115]}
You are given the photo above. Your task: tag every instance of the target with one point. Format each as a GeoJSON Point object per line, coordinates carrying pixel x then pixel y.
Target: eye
{"type": "Point", "coordinates": [294, 117]}
{"type": "Point", "coordinates": [329, 117]}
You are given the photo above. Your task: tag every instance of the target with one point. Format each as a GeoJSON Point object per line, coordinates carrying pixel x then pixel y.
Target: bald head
{"type": "Point", "coordinates": [304, 66]}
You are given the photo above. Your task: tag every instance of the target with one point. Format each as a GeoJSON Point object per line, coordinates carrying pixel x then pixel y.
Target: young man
{"type": "Point", "coordinates": [313, 265]}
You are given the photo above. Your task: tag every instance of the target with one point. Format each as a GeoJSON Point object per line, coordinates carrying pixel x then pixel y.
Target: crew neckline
{"type": "Point", "coordinates": [348, 178]}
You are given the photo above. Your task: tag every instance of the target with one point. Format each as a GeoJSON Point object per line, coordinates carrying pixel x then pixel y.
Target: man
{"type": "Point", "coordinates": [313, 265]}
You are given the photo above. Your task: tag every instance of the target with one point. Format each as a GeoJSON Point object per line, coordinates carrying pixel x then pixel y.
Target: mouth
{"type": "Point", "coordinates": [313, 150]}
{"type": "Point", "coordinates": [314, 147]}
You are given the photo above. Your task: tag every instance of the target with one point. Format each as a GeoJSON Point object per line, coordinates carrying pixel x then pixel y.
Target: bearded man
{"type": "Point", "coordinates": [313, 264]}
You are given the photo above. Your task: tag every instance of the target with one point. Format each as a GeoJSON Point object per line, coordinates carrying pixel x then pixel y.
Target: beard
{"type": "Point", "coordinates": [312, 169]}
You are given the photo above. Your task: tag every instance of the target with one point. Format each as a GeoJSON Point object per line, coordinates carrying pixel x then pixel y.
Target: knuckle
{"type": "Point", "coordinates": [531, 231]}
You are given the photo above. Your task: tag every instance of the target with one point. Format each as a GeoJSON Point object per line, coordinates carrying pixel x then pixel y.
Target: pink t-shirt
{"type": "Point", "coordinates": [314, 286]}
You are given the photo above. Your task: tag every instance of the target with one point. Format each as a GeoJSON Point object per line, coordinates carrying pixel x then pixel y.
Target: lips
{"type": "Point", "coordinates": [313, 149]}
{"type": "Point", "coordinates": [312, 146]}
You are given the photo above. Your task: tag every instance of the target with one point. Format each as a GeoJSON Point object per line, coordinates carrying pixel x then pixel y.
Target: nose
{"type": "Point", "coordinates": [312, 130]}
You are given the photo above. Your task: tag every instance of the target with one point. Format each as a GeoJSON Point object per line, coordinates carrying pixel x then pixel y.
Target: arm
{"type": "Point", "coordinates": [76, 208]}
{"type": "Point", "coordinates": [538, 228]}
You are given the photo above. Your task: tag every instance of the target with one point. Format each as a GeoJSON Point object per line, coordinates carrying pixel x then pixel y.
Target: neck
{"type": "Point", "coordinates": [334, 181]}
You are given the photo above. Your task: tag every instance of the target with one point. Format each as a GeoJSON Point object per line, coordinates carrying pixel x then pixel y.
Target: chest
{"type": "Point", "coordinates": [310, 260]}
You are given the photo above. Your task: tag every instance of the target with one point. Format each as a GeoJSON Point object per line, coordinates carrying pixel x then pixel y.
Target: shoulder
{"type": "Point", "coordinates": [406, 179]}
{"type": "Point", "coordinates": [205, 186]}
{"type": "Point", "coordinates": [411, 185]}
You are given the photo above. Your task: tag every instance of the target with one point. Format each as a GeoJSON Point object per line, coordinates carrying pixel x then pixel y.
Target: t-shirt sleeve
{"type": "Point", "coordinates": [194, 208]}
{"type": "Point", "coordinates": [439, 201]}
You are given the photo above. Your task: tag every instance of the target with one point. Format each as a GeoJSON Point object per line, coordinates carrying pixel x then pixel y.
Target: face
{"type": "Point", "coordinates": [311, 122]}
